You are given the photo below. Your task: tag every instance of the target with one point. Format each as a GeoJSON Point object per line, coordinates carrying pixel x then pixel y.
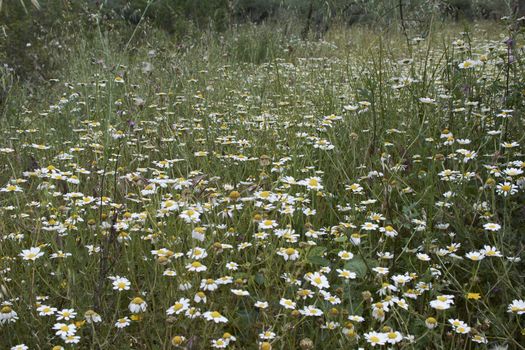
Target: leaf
{"type": "Point", "coordinates": [318, 260]}
{"type": "Point", "coordinates": [357, 265]}
{"type": "Point", "coordinates": [259, 278]}
{"type": "Point", "coordinates": [317, 251]}
{"type": "Point", "coordinates": [341, 239]}
{"type": "Point", "coordinates": [315, 256]}
{"type": "Point", "coordinates": [246, 317]}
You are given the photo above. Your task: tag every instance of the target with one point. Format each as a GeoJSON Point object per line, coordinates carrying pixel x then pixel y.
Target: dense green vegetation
{"type": "Point", "coordinates": [175, 176]}
{"type": "Point", "coordinates": [35, 32]}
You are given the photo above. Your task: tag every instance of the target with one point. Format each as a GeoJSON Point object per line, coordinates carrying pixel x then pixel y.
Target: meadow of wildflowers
{"type": "Point", "coordinates": [363, 191]}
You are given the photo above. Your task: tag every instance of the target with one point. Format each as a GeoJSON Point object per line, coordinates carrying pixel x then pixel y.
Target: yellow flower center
{"type": "Point", "coordinates": [313, 182]}
{"type": "Point", "coordinates": [392, 335]}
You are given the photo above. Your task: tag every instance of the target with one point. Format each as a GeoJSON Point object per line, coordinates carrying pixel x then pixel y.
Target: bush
{"type": "Point", "coordinates": [35, 38]}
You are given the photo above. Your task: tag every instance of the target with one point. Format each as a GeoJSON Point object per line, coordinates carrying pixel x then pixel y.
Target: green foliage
{"type": "Point", "coordinates": [172, 16]}
{"type": "Point", "coordinates": [35, 37]}
{"type": "Point", "coordinates": [204, 114]}
{"type": "Point", "coordinates": [29, 30]}
{"type": "Point", "coordinates": [256, 45]}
